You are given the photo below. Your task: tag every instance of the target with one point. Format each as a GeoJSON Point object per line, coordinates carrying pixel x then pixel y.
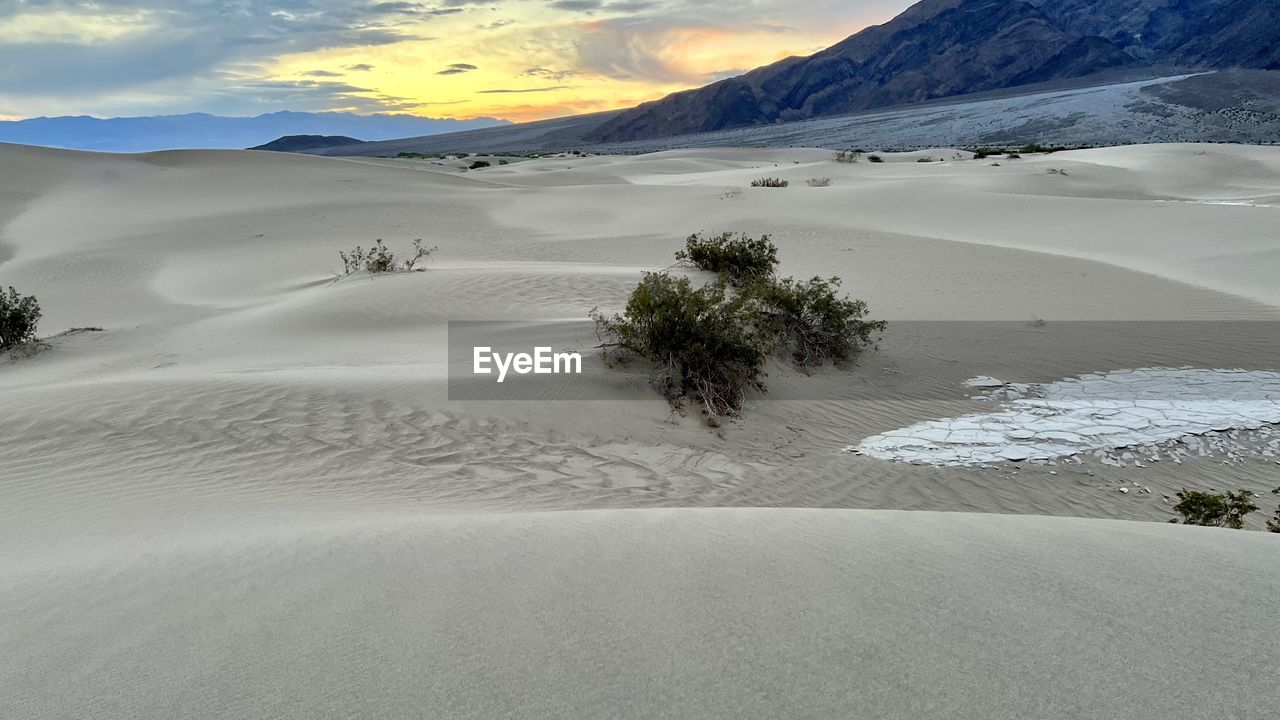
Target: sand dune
{"type": "Point", "coordinates": [681, 613]}
{"type": "Point", "coordinates": [251, 495]}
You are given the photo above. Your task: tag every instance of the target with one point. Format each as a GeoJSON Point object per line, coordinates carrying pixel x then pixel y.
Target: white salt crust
{"type": "Point", "coordinates": [1095, 413]}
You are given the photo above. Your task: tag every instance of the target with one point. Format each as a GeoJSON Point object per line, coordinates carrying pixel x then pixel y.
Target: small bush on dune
{"type": "Point", "coordinates": [770, 183]}
{"type": "Point", "coordinates": [1274, 525]}
{"type": "Point", "coordinates": [875, 159]}
{"type": "Point", "coordinates": [381, 259]}
{"type": "Point", "coordinates": [19, 316]}
{"type": "Point", "coordinates": [701, 342]}
{"type": "Point", "coordinates": [819, 182]}
{"type": "Point", "coordinates": [809, 323]}
{"type": "Point", "coordinates": [710, 345]}
{"type": "Point", "coordinates": [735, 257]}
{"type": "Point", "coordinates": [478, 164]}
{"type": "Point", "coordinates": [1214, 510]}
{"type": "Point", "coordinates": [848, 156]}
{"type": "Point", "coordinates": [1038, 148]}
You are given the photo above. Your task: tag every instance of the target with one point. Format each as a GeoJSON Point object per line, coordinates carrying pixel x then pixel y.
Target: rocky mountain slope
{"type": "Point", "coordinates": [1240, 106]}
{"type": "Point", "coordinates": [943, 48]}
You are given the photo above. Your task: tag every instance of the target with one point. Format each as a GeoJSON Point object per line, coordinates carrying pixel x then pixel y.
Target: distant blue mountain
{"type": "Point", "coordinates": [199, 130]}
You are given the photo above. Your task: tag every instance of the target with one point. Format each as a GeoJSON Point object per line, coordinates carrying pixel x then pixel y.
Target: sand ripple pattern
{"type": "Point", "coordinates": [1097, 412]}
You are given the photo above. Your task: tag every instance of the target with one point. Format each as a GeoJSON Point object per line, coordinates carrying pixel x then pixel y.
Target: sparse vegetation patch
{"type": "Point", "coordinates": [819, 182]}
{"type": "Point", "coordinates": [19, 316]}
{"type": "Point", "coordinates": [1215, 510]}
{"type": "Point", "coordinates": [1274, 524]}
{"type": "Point", "coordinates": [701, 341]}
{"type": "Point", "coordinates": [735, 257]}
{"type": "Point", "coordinates": [809, 323]}
{"type": "Point", "coordinates": [709, 345]}
{"type": "Point", "coordinates": [770, 183]}
{"type": "Point", "coordinates": [381, 259]}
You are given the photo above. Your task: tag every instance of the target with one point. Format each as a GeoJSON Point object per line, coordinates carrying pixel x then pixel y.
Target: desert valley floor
{"type": "Point", "coordinates": [249, 494]}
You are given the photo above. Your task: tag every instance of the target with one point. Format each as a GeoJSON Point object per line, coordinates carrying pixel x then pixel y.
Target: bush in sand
{"type": "Point", "coordinates": [381, 259]}
{"type": "Point", "coordinates": [1214, 510]}
{"type": "Point", "coordinates": [1274, 524]}
{"type": "Point", "coordinates": [19, 316]}
{"type": "Point", "coordinates": [770, 183]}
{"type": "Point", "coordinates": [819, 182]}
{"type": "Point", "coordinates": [848, 156]}
{"type": "Point", "coordinates": [809, 323]}
{"type": "Point", "coordinates": [735, 257]}
{"type": "Point", "coordinates": [702, 342]}
{"type": "Point", "coordinates": [875, 159]}
{"type": "Point", "coordinates": [710, 345]}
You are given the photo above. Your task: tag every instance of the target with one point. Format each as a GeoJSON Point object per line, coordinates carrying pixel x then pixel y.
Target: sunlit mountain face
{"type": "Point", "coordinates": [512, 59]}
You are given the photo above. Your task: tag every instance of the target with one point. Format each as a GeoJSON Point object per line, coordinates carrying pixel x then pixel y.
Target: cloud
{"type": "Point", "coordinates": [148, 56]}
{"type": "Point", "coordinates": [406, 8]}
{"type": "Point", "coordinates": [541, 72]}
{"type": "Point", "coordinates": [524, 90]}
{"type": "Point", "coordinates": [593, 6]}
{"type": "Point", "coordinates": [724, 74]}
{"type": "Point", "coordinates": [182, 40]}
{"type": "Point", "coordinates": [647, 48]}
{"type": "Point", "coordinates": [458, 69]}
{"type": "Point", "coordinates": [577, 5]}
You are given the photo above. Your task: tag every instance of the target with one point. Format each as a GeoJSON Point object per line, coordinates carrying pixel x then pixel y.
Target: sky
{"type": "Point", "coordinates": [514, 59]}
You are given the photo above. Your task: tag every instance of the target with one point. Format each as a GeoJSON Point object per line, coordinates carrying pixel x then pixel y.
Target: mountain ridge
{"type": "Point", "coordinates": [942, 48]}
{"type": "Point", "coordinates": [203, 130]}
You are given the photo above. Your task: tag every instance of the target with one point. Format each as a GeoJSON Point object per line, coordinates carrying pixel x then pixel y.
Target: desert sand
{"type": "Point", "coordinates": [250, 495]}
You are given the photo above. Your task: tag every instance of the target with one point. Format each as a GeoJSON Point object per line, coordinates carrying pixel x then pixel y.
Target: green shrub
{"type": "Point", "coordinates": [1038, 148]}
{"type": "Point", "coordinates": [1274, 525]}
{"type": "Point", "coordinates": [770, 183]}
{"type": "Point", "coordinates": [737, 258]}
{"type": "Point", "coordinates": [809, 323]}
{"type": "Point", "coordinates": [381, 259]}
{"type": "Point", "coordinates": [478, 164]}
{"type": "Point", "coordinates": [702, 342]}
{"type": "Point", "coordinates": [1214, 510]}
{"type": "Point", "coordinates": [709, 345]}
{"type": "Point", "coordinates": [875, 159]}
{"type": "Point", "coordinates": [19, 316]}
